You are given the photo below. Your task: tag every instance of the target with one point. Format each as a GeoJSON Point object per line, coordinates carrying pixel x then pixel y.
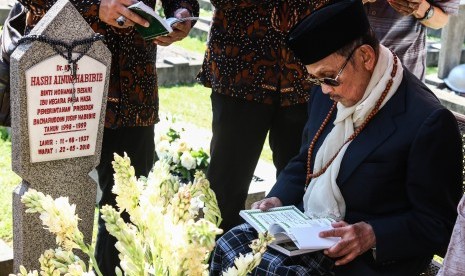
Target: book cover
{"type": "Point", "coordinates": [158, 25]}
{"type": "Point", "coordinates": [295, 233]}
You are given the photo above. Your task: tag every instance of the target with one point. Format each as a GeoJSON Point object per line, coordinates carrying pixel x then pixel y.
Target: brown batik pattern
{"type": "Point", "coordinates": [247, 56]}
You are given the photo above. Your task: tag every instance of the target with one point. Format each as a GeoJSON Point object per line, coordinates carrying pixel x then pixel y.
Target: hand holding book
{"type": "Point", "coordinates": [160, 26]}
{"type": "Point", "coordinates": [181, 26]}
{"type": "Point", "coordinates": [294, 232]}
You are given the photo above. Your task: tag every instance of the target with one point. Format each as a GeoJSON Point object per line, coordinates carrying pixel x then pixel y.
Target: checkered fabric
{"type": "Point", "coordinates": [238, 239]}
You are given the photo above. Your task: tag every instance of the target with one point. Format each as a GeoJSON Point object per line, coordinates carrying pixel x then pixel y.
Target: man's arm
{"type": "Point", "coordinates": [437, 21]}
{"type": "Point", "coordinates": [290, 184]}
{"type": "Point", "coordinates": [433, 185]}
{"type": "Point", "coordinates": [434, 188]}
{"type": "Point", "coordinates": [419, 9]}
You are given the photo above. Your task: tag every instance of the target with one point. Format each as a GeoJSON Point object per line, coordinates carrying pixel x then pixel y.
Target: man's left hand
{"type": "Point", "coordinates": [356, 239]}
{"type": "Point", "coordinates": [405, 7]}
{"type": "Point", "coordinates": [180, 29]}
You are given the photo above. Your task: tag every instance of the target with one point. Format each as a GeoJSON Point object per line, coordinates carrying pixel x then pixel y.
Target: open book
{"type": "Point", "coordinates": [158, 25]}
{"type": "Point", "coordinates": [294, 232]}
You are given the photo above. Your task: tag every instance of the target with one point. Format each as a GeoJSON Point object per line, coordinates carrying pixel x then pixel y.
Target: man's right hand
{"type": "Point", "coordinates": [267, 203]}
{"type": "Point", "coordinates": [110, 10]}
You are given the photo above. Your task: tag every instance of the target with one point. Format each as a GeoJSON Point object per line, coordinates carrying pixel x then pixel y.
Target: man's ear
{"type": "Point", "coordinates": [368, 55]}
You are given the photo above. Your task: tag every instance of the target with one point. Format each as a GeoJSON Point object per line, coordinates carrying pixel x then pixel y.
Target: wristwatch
{"type": "Point", "coordinates": [428, 14]}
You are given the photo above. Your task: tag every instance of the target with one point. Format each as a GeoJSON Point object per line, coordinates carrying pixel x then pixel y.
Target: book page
{"type": "Point", "coordinates": [287, 216]}
{"type": "Point", "coordinates": [173, 20]}
{"type": "Point", "coordinates": [308, 237]}
{"type": "Point", "coordinates": [140, 5]}
{"type": "Point", "coordinates": [287, 228]}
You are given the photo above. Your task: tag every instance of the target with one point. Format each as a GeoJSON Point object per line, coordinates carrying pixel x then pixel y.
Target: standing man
{"type": "Point", "coordinates": [258, 86]}
{"type": "Point", "coordinates": [132, 106]}
{"type": "Point", "coordinates": [401, 25]}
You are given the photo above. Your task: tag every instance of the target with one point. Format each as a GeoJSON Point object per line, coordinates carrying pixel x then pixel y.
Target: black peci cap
{"type": "Point", "coordinates": [328, 29]}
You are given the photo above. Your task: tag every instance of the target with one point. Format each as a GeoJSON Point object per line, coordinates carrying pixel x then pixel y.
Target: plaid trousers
{"type": "Point", "coordinates": [238, 239]}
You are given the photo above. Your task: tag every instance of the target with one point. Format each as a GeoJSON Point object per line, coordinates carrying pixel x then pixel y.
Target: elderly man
{"type": "Point", "coordinates": [374, 157]}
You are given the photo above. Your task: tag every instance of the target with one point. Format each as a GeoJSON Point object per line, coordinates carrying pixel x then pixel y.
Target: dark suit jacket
{"type": "Point", "coordinates": [402, 175]}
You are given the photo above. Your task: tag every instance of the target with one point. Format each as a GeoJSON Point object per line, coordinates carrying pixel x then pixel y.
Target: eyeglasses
{"type": "Point", "coordinates": [332, 81]}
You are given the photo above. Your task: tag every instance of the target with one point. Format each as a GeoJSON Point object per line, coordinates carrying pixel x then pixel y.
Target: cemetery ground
{"type": "Point", "coordinates": [187, 103]}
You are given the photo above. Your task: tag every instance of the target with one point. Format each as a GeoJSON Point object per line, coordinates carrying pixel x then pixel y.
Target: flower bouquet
{"type": "Point", "coordinates": [184, 161]}
{"type": "Point", "coordinates": [167, 234]}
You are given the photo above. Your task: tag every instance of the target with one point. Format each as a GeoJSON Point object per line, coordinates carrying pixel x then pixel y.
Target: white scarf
{"type": "Point", "coordinates": [323, 197]}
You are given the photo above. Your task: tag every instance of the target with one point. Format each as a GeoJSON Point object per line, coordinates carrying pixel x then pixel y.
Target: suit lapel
{"type": "Point", "coordinates": [378, 130]}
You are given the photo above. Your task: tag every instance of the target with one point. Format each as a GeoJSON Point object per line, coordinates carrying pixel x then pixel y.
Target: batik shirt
{"type": "Point", "coordinates": [132, 94]}
{"type": "Point", "coordinates": [247, 55]}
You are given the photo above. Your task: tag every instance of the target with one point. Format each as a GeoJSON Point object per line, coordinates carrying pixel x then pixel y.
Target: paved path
{"type": "Point", "coordinates": [265, 172]}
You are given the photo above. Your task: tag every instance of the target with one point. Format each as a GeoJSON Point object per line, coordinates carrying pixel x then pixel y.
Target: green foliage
{"type": "Point", "coordinates": [8, 181]}
{"type": "Point", "coordinates": [201, 158]}
{"type": "Point", "coordinates": [431, 38]}
{"type": "Point", "coordinates": [4, 135]}
{"type": "Point", "coordinates": [432, 70]}
{"type": "Point", "coordinates": [173, 134]}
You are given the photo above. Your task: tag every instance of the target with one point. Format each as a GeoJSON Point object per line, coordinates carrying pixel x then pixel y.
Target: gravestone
{"type": "Point", "coordinates": [57, 125]}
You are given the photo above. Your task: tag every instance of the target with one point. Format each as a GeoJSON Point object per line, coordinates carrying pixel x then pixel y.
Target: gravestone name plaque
{"type": "Point", "coordinates": [63, 115]}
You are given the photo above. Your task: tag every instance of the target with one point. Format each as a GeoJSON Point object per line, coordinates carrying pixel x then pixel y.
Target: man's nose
{"type": "Point", "coordinates": [326, 88]}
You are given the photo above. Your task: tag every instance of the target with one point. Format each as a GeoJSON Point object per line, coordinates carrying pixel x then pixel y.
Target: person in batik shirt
{"type": "Point", "coordinates": [132, 104]}
{"type": "Point", "coordinates": [258, 87]}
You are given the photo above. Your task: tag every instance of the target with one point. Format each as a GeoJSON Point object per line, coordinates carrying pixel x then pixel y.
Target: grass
{"type": "Point", "coordinates": [205, 13]}
{"type": "Point", "coordinates": [431, 38]}
{"type": "Point", "coordinates": [8, 181]}
{"type": "Point", "coordinates": [192, 44]}
{"type": "Point", "coordinates": [191, 103]}
{"type": "Point", "coordinates": [432, 70]}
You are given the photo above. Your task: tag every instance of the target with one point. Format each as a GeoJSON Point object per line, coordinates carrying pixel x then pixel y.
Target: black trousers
{"type": "Point", "coordinates": [239, 132]}
{"type": "Point", "coordinates": [138, 143]}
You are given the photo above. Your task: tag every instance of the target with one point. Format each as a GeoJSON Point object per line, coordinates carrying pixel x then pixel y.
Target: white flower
{"type": "Point", "coordinates": [163, 149]}
{"type": "Point", "coordinates": [59, 217]}
{"type": "Point", "coordinates": [181, 145]}
{"type": "Point", "coordinates": [231, 271]}
{"type": "Point", "coordinates": [187, 161]}
{"type": "Point", "coordinates": [196, 204]}
{"type": "Point", "coordinates": [162, 137]}
{"type": "Point", "coordinates": [76, 270]}
{"type": "Point", "coordinates": [174, 155]}
{"type": "Point", "coordinates": [243, 261]}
